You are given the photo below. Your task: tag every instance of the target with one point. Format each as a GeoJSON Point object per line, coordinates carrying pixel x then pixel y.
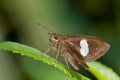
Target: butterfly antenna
{"type": "Point", "coordinates": [45, 27]}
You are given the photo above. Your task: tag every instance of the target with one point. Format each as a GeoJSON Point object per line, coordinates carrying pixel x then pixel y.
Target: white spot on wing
{"type": "Point", "coordinates": [84, 50]}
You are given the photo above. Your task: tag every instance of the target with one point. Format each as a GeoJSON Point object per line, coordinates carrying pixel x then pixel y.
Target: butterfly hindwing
{"type": "Point", "coordinates": [74, 57]}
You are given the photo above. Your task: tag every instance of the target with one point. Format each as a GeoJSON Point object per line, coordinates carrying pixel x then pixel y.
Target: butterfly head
{"type": "Point", "coordinates": [54, 37]}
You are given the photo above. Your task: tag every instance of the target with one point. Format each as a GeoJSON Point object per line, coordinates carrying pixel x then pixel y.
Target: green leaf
{"type": "Point", "coordinates": [102, 72]}
{"type": "Point", "coordinates": [37, 55]}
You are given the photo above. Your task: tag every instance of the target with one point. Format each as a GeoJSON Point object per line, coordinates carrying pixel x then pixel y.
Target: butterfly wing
{"type": "Point", "coordinates": [95, 46]}
{"type": "Point", "coordinates": [71, 55]}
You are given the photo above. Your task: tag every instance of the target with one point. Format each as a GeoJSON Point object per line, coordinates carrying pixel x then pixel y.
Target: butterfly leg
{"type": "Point", "coordinates": [47, 49]}
{"type": "Point", "coordinates": [54, 49]}
{"type": "Point", "coordinates": [50, 47]}
{"type": "Point", "coordinates": [66, 61]}
{"type": "Point", "coordinates": [57, 55]}
{"type": "Point", "coordinates": [59, 49]}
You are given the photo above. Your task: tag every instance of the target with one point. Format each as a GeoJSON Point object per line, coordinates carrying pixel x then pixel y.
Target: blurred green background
{"type": "Point", "coordinates": [18, 22]}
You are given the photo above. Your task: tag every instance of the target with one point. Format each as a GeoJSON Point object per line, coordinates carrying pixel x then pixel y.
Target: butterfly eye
{"type": "Point", "coordinates": [55, 37]}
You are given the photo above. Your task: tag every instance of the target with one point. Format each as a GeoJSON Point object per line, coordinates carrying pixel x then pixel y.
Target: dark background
{"type": "Point", "coordinates": [18, 22]}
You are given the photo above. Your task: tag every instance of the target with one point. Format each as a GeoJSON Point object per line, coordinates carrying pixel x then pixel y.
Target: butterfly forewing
{"type": "Point", "coordinates": [96, 46]}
